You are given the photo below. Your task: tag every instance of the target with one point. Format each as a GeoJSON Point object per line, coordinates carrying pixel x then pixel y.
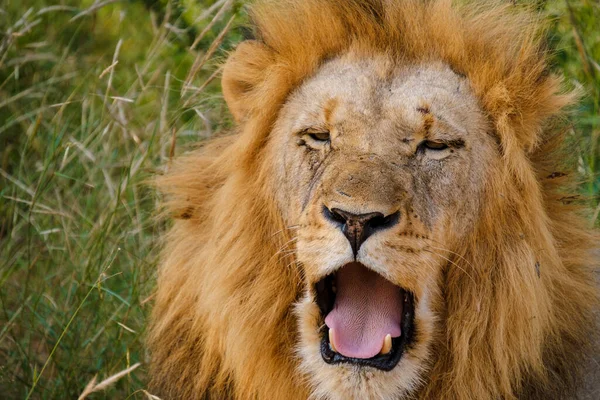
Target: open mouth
{"type": "Point", "coordinates": [368, 319]}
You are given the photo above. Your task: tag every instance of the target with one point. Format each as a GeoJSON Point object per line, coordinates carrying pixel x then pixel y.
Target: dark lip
{"type": "Point", "coordinates": [325, 299]}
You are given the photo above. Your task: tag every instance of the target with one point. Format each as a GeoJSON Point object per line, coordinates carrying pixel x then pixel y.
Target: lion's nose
{"type": "Point", "coordinates": [358, 227]}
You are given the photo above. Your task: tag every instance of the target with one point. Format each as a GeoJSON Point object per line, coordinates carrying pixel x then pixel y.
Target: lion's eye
{"type": "Point", "coordinates": [320, 136]}
{"type": "Point", "coordinates": [437, 146]}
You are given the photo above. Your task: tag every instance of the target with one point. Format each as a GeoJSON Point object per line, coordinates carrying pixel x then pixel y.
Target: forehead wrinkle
{"type": "Point", "coordinates": [454, 128]}
{"type": "Point", "coordinates": [328, 109]}
{"type": "Point", "coordinates": [428, 120]}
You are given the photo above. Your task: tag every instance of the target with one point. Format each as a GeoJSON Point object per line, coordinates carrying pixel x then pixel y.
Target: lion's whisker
{"type": "Point", "coordinates": [452, 252]}
{"type": "Point", "coordinates": [282, 249]}
{"type": "Point", "coordinates": [452, 262]}
{"type": "Point", "coordinates": [287, 228]}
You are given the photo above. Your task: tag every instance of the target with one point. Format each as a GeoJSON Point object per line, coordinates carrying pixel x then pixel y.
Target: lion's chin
{"type": "Point", "coordinates": [369, 321]}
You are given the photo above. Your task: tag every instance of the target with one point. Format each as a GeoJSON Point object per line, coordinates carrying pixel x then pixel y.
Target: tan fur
{"type": "Point", "coordinates": [507, 315]}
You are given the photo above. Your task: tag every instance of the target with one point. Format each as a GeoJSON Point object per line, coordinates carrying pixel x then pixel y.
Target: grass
{"type": "Point", "coordinates": [95, 97]}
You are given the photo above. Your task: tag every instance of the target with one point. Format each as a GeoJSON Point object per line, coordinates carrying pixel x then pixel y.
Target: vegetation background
{"type": "Point", "coordinates": [95, 97]}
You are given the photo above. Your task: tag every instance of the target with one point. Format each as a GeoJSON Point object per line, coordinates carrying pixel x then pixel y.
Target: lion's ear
{"type": "Point", "coordinates": [243, 73]}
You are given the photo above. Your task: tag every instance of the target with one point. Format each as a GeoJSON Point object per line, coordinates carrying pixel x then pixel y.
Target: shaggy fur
{"type": "Point", "coordinates": [513, 312]}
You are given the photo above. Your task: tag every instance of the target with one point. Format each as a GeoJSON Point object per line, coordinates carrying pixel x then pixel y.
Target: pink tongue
{"type": "Point", "coordinates": [367, 307]}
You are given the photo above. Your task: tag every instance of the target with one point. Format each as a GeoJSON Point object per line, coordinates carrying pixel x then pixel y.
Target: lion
{"type": "Point", "coordinates": [391, 218]}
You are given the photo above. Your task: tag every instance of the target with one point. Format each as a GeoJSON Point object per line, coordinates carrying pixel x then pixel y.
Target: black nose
{"type": "Point", "coordinates": [358, 227]}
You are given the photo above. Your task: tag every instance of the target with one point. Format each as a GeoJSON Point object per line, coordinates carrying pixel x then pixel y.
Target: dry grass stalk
{"type": "Point", "coordinates": [208, 27]}
{"type": "Point", "coordinates": [92, 387]}
{"type": "Point", "coordinates": [199, 62]}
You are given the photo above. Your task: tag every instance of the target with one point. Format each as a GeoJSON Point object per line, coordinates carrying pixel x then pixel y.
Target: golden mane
{"type": "Point", "coordinates": [520, 296]}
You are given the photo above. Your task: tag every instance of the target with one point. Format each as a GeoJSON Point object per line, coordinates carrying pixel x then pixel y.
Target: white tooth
{"type": "Point", "coordinates": [387, 345]}
{"type": "Point", "coordinates": [331, 340]}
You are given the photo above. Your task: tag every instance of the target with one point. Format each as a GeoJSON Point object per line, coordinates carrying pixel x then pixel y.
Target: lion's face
{"type": "Point", "coordinates": [379, 172]}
